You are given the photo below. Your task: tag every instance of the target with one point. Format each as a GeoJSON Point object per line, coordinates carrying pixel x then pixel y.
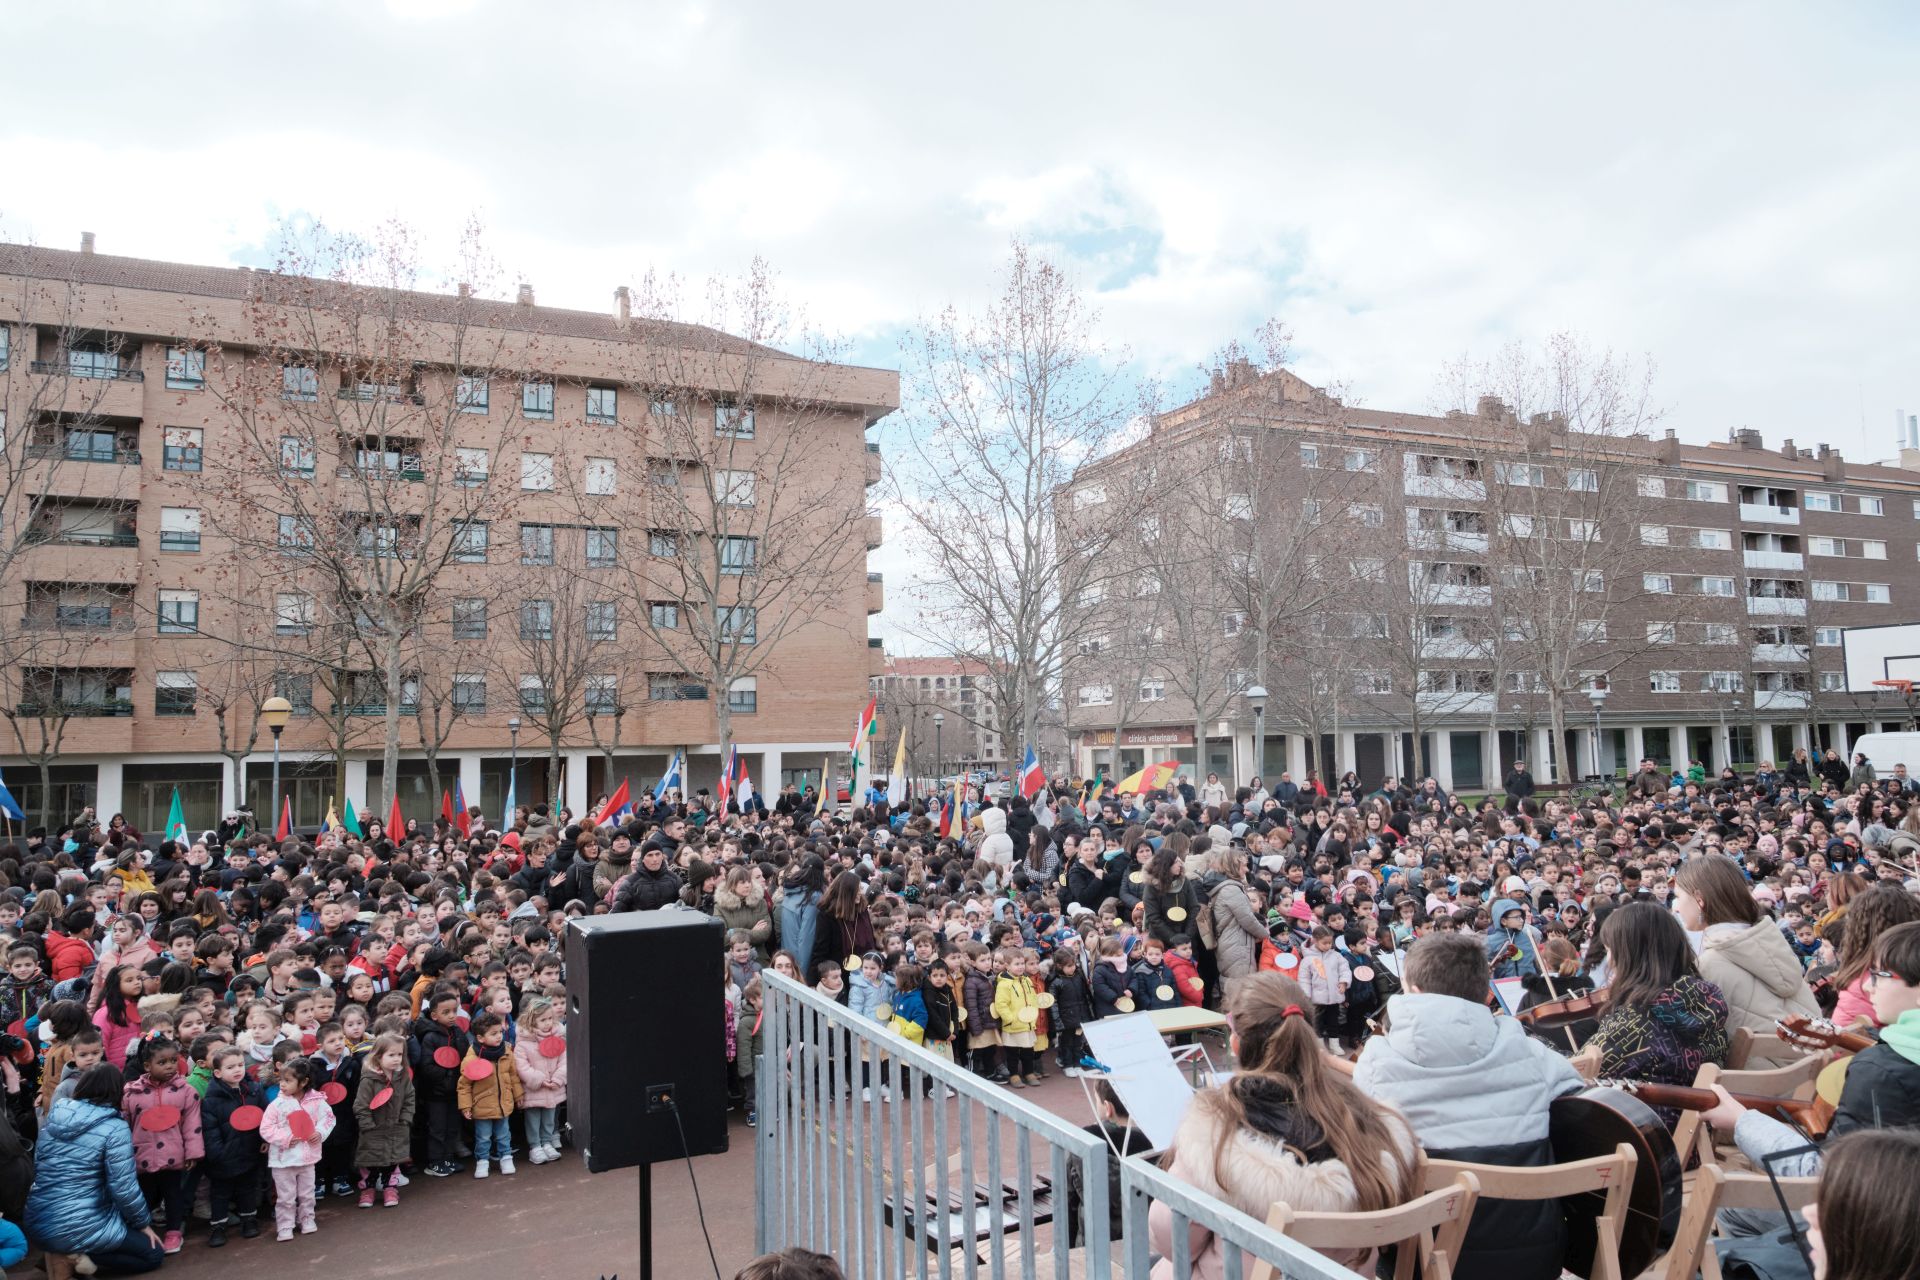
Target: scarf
{"type": "Point", "coordinates": [1903, 1035]}
{"type": "Point", "coordinates": [490, 1052]}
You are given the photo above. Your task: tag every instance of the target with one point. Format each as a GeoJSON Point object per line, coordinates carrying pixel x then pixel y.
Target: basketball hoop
{"type": "Point", "coordinates": [1902, 687]}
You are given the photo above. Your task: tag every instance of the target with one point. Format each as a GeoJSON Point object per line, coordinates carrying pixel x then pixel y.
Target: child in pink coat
{"type": "Point", "coordinates": [291, 1156]}
{"type": "Point", "coordinates": [163, 1110]}
{"type": "Point", "coordinates": [544, 1077]}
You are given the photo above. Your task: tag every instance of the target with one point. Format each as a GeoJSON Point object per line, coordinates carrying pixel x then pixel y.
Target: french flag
{"type": "Point", "coordinates": [1031, 776]}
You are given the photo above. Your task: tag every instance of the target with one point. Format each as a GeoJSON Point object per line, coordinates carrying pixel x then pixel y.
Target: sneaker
{"type": "Point", "coordinates": [441, 1170]}
{"type": "Point", "coordinates": [1074, 1073]}
{"type": "Point", "coordinates": [1033, 1079]}
{"type": "Point", "coordinates": [866, 1095]}
{"type": "Point", "coordinates": [308, 1227]}
{"type": "Point", "coordinates": [948, 1091]}
{"type": "Point", "coordinates": [537, 1155]}
{"type": "Point", "coordinates": [82, 1265]}
{"type": "Point", "coordinates": [319, 1191]}
{"type": "Point", "coordinates": [391, 1197]}
{"type": "Point", "coordinates": [506, 1165]}
{"type": "Point", "coordinates": [249, 1226]}
{"type": "Point", "coordinates": [217, 1238]}
{"type": "Point", "coordinates": [284, 1234]}
{"type": "Point", "coordinates": [1016, 1082]}
{"type": "Point", "coordinates": [366, 1197]}
{"type": "Point", "coordinates": [753, 1120]}
{"type": "Point", "coordinates": [398, 1179]}
{"type": "Point", "coordinates": [479, 1168]}
{"type": "Point", "coordinates": [343, 1187]}
{"type": "Point", "coordinates": [170, 1242]}
{"type": "Point", "coordinates": [553, 1149]}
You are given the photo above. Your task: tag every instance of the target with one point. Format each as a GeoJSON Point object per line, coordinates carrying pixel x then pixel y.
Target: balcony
{"type": "Point", "coordinates": [1446, 540]}
{"type": "Point", "coordinates": [874, 468]}
{"type": "Point", "coordinates": [1781, 699]}
{"type": "Point", "coordinates": [1767, 513]}
{"type": "Point", "coordinates": [1454, 647]}
{"type": "Point", "coordinates": [376, 709]}
{"type": "Point", "coordinates": [876, 593]}
{"type": "Point", "coordinates": [116, 708]}
{"type": "Point", "coordinates": [1456, 704]}
{"type": "Point", "coordinates": [1442, 593]}
{"type": "Point", "coordinates": [874, 534]}
{"type": "Point", "coordinates": [1787, 653]}
{"type": "Point", "coordinates": [1776, 607]}
{"type": "Point", "coordinates": [876, 656]}
{"type": "Point", "coordinates": [70, 452]}
{"type": "Point", "coordinates": [79, 619]}
{"type": "Point", "coordinates": [1419, 486]}
{"type": "Point", "coordinates": [42, 536]}
{"type": "Point", "coordinates": [82, 364]}
{"type": "Point", "coordinates": [372, 393]}
{"type": "Point", "coordinates": [1791, 561]}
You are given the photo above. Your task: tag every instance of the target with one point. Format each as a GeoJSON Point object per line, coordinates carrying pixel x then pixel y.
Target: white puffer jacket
{"type": "Point", "coordinates": [1757, 971]}
{"type": "Point", "coordinates": [996, 846]}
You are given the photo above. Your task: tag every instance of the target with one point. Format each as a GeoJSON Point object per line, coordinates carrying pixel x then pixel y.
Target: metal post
{"type": "Point", "coordinates": [939, 753]}
{"type": "Point", "coordinates": [1597, 744]}
{"type": "Point", "coordinates": [276, 777]}
{"type": "Point", "coordinates": [1260, 743]}
{"type": "Point", "coordinates": [513, 770]}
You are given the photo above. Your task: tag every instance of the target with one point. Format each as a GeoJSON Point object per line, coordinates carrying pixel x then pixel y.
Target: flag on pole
{"type": "Point", "coordinates": [1031, 777]}
{"type": "Point", "coordinates": [743, 791]}
{"type": "Point", "coordinates": [865, 724]}
{"type": "Point", "coordinates": [176, 819]}
{"type": "Point", "coordinates": [614, 804]}
{"type": "Point", "coordinates": [10, 806]}
{"type": "Point", "coordinates": [462, 821]}
{"type": "Point", "coordinates": [897, 780]}
{"type": "Point", "coordinates": [332, 821]}
{"type": "Point", "coordinates": [1148, 779]}
{"type": "Point", "coordinates": [352, 821]}
{"type": "Point", "coordinates": [727, 767]}
{"type": "Point", "coordinates": [1099, 784]}
{"type": "Point", "coordinates": [285, 828]}
{"type": "Point", "coordinates": [395, 823]}
{"type": "Point", "coordinates": [826, 783]}
{"type": "Point", "coordinates": [506, 814]}
{"type": "Point", "coordinates": [670, 780]}
{"type": "Point", "coordinates": [946, 817]}
{"type": "Point", "coordinates": [446, 806]}
{"type": "Point", "coordinates": [625, 812]}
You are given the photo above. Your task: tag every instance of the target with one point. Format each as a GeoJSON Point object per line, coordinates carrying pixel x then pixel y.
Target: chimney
{"type": "Point", "coordinates": [1836, 465]}
{"type": "Point", "coordinates": [1787, 450]}
{"type": "Point", "coordinates": [466, 290]}
{"type": "Point", "coordinates": [86, 242]}
{"type": "Point", "coordinates": [1239, 371]}
{"type": "Point", "coordinates": [525, 297]}
{"type": "Point", "coordinates": [622, 307]}
{"type": "Point", "coordinates": [1492, 408]}
{"type": "Point", "coordinates": [1670, 447]}
{"type": "Point", "coordinates": [1747, 438]}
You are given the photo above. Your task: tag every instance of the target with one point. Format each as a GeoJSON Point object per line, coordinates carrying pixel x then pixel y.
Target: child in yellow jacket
{"type": "Point", "coordinates": [490, 1090]}
{"type": "Point", "coordinates": [1017, 1006]}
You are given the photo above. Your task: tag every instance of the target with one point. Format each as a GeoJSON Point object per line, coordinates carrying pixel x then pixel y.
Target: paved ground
{"type": "Point", "coordinates": [551, 1221]}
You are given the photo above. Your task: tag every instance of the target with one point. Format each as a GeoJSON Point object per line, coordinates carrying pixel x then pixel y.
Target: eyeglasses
{"type": "Point", "coordinates": [1880, 975]}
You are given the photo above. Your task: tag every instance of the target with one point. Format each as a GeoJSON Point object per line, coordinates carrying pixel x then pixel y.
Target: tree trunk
{"type": "Point", "coordinates": [390, 753]}
{"type": "Point", "coordinates": [46, 794]}
{"type": "Point", "coordinates": [1557, 726]}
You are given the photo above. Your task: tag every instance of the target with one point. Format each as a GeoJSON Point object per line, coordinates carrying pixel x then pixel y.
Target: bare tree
{"type": "Point", "coordinates": [551, 653]}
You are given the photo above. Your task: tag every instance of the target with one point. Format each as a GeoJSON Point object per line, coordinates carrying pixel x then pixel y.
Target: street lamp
{"type": "Point", "coordinates": [276, 711]}
{"type": "Point", "coordinates": [513, 770]}
{"type": "Point", "coordinates": [1598, 696]}
{"type": "Point", "coordinates": [939, 757]}
{"type": "Point", "coordinates": [1258, 697]}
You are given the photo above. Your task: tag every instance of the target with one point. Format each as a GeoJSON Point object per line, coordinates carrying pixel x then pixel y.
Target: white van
{"type": "Point", "coordinates": [1885, 750]}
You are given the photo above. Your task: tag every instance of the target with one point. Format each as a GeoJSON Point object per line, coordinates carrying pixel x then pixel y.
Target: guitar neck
{"type": "Point", "coordinates": [1689, 1099]}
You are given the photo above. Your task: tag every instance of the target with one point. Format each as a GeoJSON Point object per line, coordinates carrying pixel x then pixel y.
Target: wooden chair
{"type": "Point", "coordinates": [1608, 1176]}
{"type": "Point", "coordinates": [1793, 1080]}
{"type": "Point", "coordinates": [1715, 1189]}
{"type": "Point", "coordinates": [1428, 1229]}
{"type": "Point", "coordinates": [1739, 1049]}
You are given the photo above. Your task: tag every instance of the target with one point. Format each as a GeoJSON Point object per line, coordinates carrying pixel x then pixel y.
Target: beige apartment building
{"type": "Point", "coordinates": [1697, 593]}
{"type": "Point", "coordinates": [942, 707]}
{"type": "Point", "coordinates": [603, 536]}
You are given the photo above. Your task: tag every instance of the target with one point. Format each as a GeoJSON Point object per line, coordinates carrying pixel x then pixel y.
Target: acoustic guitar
{"type": "Point", "coordinates": [1593, 1122]}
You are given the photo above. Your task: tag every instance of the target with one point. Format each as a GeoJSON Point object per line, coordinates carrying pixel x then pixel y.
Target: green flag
{"type": "Point", "coordinates": [176, 819]}
{"type": "Point", "coordinates": [352, 822]}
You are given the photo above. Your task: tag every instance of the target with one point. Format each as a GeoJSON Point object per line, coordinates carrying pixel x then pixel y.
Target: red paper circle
{"type": "Point", "coordinates": [476, 1068]}
{"type": "Point", "coordinates": [244, 1119]}
{"type": "Point", "coordinates": [552, 1046]}
{"type": "Point", "coordinates": [156, 1119]}
{"type": "Point", "coordinates": [1363, 974]}
{"type": "Point", "coordinates": [446, 1056]}
{"type": "Point", "coordinates": [380, 1099]}
{"type": "Point", "coordinates": [333, 1091]}
{"type": "Point", "coordinates": [309, 1043]}
{"type": "Point", "coordinates": [300, 1125]}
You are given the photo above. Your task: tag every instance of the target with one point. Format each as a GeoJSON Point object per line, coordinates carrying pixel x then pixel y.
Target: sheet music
{"type": "Point", "coordinates": [1142, 1073]}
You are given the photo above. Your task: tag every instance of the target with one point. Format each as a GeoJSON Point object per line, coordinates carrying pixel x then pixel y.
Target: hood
{"type": "Point", "coordinates": [1500, 908]}
{"type": "Point", "coordinates": [1444, 1032]}
{"type": "Point", "coordinates": [72, 1119]}
{"type": "Point", "coordinates": [795, 896]}
{"type": "Point", "coordinates": [993, 821]}
{"type": "Point", "coordinates": [727, 900]}
{"type": "Point", "coordinates": [1761, 950]}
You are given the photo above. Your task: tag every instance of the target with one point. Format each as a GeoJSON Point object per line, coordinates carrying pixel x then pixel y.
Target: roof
{"type": "Point", "coordinates": [239, 283]}
{"type": "Point", "coordinates": [933, 667]}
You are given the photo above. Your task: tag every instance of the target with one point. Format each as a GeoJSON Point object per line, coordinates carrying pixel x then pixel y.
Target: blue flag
{"type": "Point", "coordinates": [10, 806]}
{"type": "Point", "coordinates": [670, 780]}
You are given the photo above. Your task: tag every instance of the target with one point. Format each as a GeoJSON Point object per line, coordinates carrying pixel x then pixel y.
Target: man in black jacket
{"type": "Point", "coordinates": [651, 886]}
{"type": "Point", "coordinates": [1518, 785]}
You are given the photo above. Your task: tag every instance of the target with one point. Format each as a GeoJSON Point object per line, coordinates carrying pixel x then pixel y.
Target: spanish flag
{"type": "Point", "coordinates": [1148, 779]}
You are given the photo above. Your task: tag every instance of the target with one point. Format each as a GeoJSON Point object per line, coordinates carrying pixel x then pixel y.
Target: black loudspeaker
{"type": "Point", "coordinates": [646, 1037]}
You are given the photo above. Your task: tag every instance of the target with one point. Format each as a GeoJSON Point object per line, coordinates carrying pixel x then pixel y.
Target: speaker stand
{"type": "Point", "coordinates": [646, 1222]}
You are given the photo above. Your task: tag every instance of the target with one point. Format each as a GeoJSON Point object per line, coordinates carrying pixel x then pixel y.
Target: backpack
{"type": "Point", "coordinates": [1208, 935]}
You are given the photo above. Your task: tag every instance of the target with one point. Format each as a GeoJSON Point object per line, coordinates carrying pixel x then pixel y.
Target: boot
{"type": "Point", "coordinates": [217, 1236]}
{"type": "Point", "coordinates": [249, 1226]}
{"type": "Point", "coordinates": [59, 1266]}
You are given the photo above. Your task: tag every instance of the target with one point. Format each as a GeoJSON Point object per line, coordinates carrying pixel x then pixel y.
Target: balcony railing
{"type": "Point", "coordinates": [390, 395]}
{"type": "Point", "coordinates": [1767, 513]}
{"type": "Point", "coordinates": [111, 370]}
{"type": "Point", "coordinates": [376, 709]}
{"type": "Point", "coordinates": [1790, 561]}
{"type": "Point", "coordinates": [74, 710]}
{"type": "Point", "coordinates": [677, 693]}
{"type": "Point", "coordinates": [58, 449]}
{"type": "Point", "coordinates": [1780, 653]}
{"type": "Point", "coordinates": [77, 617]}
{"type": "Point", "coordinates": [1777, 606]}
{"type": "Point", "coordinates": [84, 537]}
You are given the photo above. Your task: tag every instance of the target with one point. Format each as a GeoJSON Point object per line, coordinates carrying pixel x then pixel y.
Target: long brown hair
{"type": "Point", "coordinates": [1868, 916]}
{"type": "Point", "coordinates": [1869, 1208]}
{"type": "Point", "coordinates": [1278, 1051]}
{"type": "Point", "coordinates": [1721, 887]}
{"type": "Point", "coordinates": [1647, 951]}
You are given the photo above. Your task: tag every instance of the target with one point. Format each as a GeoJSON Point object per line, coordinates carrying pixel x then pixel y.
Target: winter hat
{"type": "Point", "coordinates": [1299, 910]}
{"type": "Point", "coordinates": [699, 871]}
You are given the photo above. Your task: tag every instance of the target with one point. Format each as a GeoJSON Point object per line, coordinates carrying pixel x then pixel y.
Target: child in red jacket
{"type": "Point", "coordinates": [1187, 982]}
{"type": "Point", "coordinates": [163, 1110]}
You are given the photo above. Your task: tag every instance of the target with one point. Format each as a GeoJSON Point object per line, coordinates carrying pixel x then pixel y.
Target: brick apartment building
{"type": "Point", "coordinates": [1705, 623]}
{"type": "Point", "coordinates": [152, 603]}
{"type": "Point", "coordinates": [912, 691]}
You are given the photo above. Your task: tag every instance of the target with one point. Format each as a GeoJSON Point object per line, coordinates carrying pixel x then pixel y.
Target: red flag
{"type": "Point", "coordinates": [461, 819]}
{"type": "Point", "coordinates": [946, 818]}
{"type": "Point", "coordinates": [446, 805]}
{"type": "Point", "coordinates": [285, 828]}
{"type": "Point", "coordinates": [615, 802]}
{"type": "Point", "coordinates": [395, 823]}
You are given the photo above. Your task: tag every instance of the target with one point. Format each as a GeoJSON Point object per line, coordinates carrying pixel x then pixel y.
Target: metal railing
{"type": "Point", "coordinates": [860, 1155]}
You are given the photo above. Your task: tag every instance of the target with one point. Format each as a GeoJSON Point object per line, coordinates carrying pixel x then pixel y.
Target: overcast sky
{"type": "Point", "coordinates": [1730, 189]}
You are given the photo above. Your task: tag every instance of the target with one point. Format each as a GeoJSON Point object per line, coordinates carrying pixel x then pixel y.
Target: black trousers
{"type": "Point", "coordinates": [239, 1194]}
{"type": "Point", "coordinates": [442, 1116]}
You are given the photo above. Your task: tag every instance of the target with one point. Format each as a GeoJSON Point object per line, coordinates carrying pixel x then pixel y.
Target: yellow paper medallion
{"type": "Point", "coordinates": [1124, 1004]}
{"type": "Point", "coordinates": [1176, 914]}
{"type": "Point", "coordinates": [1163, 992]}
{"type": "Point", "coordinates": [1044, 1000]}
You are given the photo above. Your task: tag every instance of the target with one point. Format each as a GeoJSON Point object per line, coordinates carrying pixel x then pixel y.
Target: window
{"type": "Point", "coordinates": [600, 620]}
{"type": "Point", "coordinates": [470, 541]}
{"type": "Point", "coordinates": [1817, 501]}
{"type": "Point", "coordinates": [663, 615]}
{"type": "Point", "coordinates": [1232, 624]}
{"type": "Point", "coordinates": [469, 619]}
{"type": "Point", "coordinates": [1525, 475]}
{"type": "Point", "coordinates": [1827, 546]}
{"type": "Point", "coordinates": [1720, 633]}
{"type": "Point", "coordinates": [1091, 645]}
{"type": "Point", "coordinates": [1873, 549]}
{"type": "Point", "coordinates": [1368, 569]}
{"type": "Point", "coordinates": [292, 613]}
{"type": "Point", "coordinates": [533, 695]}
{"type": "Point", "coordinates": [1872, 507]}
{"type": "Point", "coordinates": [471, 393]}
{"type": "Point", "coordinates": [1833, 681]}
{"type": "Point", "coordinates": [296, 687]}
{"type": "Point", "coordinates": [733, 421]}
{"type": "Point", "coordinates": [1360, 459]}
{"type": "Point", "coordinates": [536, 400]}
{"type": "Point", "coordinates": [1712, 539]}
{"type": "Point", "coordinates": [1368, 515]}
{"type": "Point", "coordinates": [536, 620]}
{"type": "Point", "coordinates": [179, 528]}
{"type": "Point", "coordinates": [743, 695]}
{"type": "Point", "coordinates": [1096, 695]}
{"type": "Point", "coordinates": [1239, 506]}
{"type": "Point", "coordinates": [1582, 480]}
{"type": "Point", "coordinates": [179, 612]}
{"type": "Point", "coordinates": [1236, 448]}
{"type": "Point", "coordinates": [471, 467]}
{"type": "Point", "coordinates": [299, 382]}
{"type": "Point", "coordinates": [1659, 584]}
{"type": "Point", "coordinates": [93, 362]}
{"type": "Point", "coordinates": [663, 543]}
{"type": "Point", "coordinates": [739, 623]}
{"type": "Point", "coordinates": [673, 686]}
{"type": "Point", "coordinates": [1596, 580]}
{"type": "Point", "coordinates": [1652, 487]}
{"type": "Point", "coordinates": [1721, 682]}
{"type": "Point", "coordinates": [733, 488]}
{"type": "Point", "coordinates": [1092, 496]}
{"type": "Point", "coordinates": [182, 448]}
{"type": "Point", "coordinates": [536, 472]}
{"type": "Point", "coordinates": [296, 536]}
{"type": "Point", "coordinates": [1826, 637]}
{"type": "Point", "coordinates": [1663, 682]}
{"type": "Point", "coordinates": [663, 472]}
{"type": "Point", "coordinates": [380, 541]}
{"type": "Point", "coordinates": [603, 406]}
{"type": "Point", "coordinates": [1879, 593]}
{"type": "Point", "coordinates": [1591, 631]}
{"type": "Point", "coordinates": [1660, 633]}
{"type": "Point", "coordinates": [603, 548]}
{"type": "Point", "coordinates": [1373, 682]}
{"type": "Point", "coordinates": [600, 477]}
{"type": "Point", "coordinates": [174, 692]}
{"type": "Point", "coordinates": [186, 369]}
{"type": "Point", "coordinates": [536, 544]}
{"type": "Point", "coordinates": [90, 446]}
{"type": "Point", "coordinates": [663, 407]}
{"type": "Point", "coordinates": [1310, 455]}
{"type": "Point", "coordinates": [739, 555]}
{"type": "Point", "coordinates": [1853, 592]}
{"type": "Point", "coordinates": [1153, 690]}
{"type": "Point", "coordinates": [1653, 535]}
{"type": "Point", "coordinates": [1713, 586]}
{"type": "Point", "coordinates": [6, 345]}
{"type": "Point", "coordinates": [469, 693]}
{"type": "Point", "coordinates": [1706, 491]}
{"type": "Point", "coordinates": [296, 457]}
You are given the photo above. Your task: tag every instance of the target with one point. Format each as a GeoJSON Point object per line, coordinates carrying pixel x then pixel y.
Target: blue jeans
{"type": "Point", "coordinates": [542, 1131]}
{"type": "Point", "coordinates": [490, 1140]}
